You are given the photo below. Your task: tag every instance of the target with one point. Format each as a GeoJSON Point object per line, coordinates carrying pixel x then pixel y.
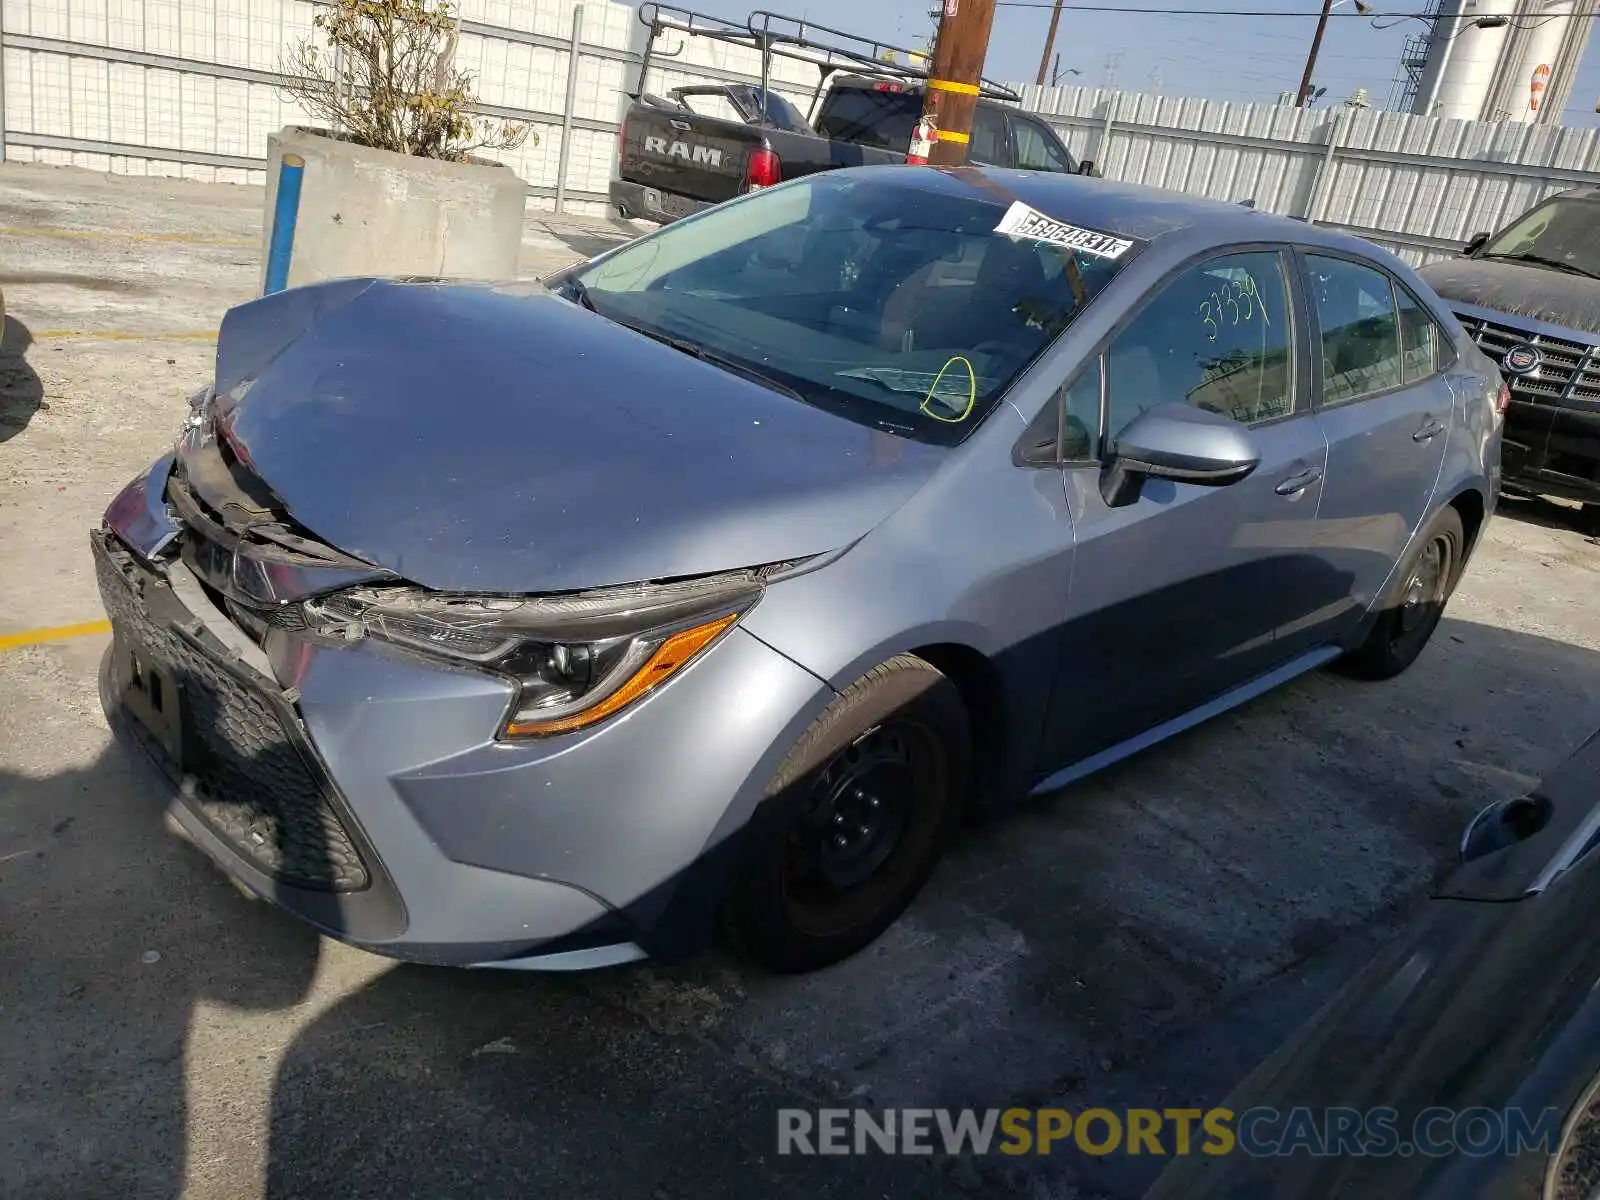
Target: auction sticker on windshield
{"type": "Point", "coordinates": [1024, 222]}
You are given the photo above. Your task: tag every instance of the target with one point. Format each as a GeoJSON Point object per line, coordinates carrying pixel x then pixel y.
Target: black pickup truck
{"type": "Point", "coordinates": [698, 146]}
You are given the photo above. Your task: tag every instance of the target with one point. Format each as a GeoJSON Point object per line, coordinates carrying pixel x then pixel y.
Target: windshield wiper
{"type": "Point", "coordinates": [576, 289]}
{"type": "Point", "coordinates": [731, 365]}
{"type": "Point", "coordinates": [1540, 260]}
{"type": "Point", "coordinates": [734, 367]}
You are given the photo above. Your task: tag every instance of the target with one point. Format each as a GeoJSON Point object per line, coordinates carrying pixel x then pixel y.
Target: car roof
{"type": "Point", "coordinates": [1588, 191]}
{"type": "Point", "coordinates": [1127, 209]}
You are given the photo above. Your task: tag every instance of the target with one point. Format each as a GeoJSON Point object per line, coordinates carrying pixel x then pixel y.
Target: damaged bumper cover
{"type": "Point", "coordinates": [366, 787]}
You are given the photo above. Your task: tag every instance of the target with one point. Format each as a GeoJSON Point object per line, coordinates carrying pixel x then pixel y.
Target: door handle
{"type": "Point", "coordinates": [1430, 429]}
{"type": "Point", "coordinates": [1296, 484]}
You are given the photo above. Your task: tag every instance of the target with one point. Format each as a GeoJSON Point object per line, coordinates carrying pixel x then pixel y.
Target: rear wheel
{"type": "Point", "coordinates": [1412, 612]}
{"type": "Point", "coordinates": [855, 819]}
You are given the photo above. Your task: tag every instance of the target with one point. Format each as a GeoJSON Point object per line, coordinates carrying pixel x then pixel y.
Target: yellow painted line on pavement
{"type": "Point", "coordinates": [109, 335]}
{"type": "Point", "coordinates": [112, 235]}
{"type": "Point", "coordinates": [54, 633]}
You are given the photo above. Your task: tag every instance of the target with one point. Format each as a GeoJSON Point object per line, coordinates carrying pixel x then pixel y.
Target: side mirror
{"type": "Point", "coordinates": [1475, 243]}
{"type": "Point", "coordinates": [1177, 442]}
{"type": "Point", "coordinates": [1503, 824]}
{"type": "Point", "coordinates": [1086, 167]}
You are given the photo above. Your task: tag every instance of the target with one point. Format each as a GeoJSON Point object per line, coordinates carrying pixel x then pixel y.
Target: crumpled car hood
{"type": "Point", "coordinates": [498, 438]}
{"type": "Point", "coordinates": [1533, 292]}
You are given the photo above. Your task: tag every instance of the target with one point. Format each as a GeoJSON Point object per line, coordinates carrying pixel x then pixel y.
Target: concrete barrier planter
{"type": "Point", "coordinates": [335, 208]}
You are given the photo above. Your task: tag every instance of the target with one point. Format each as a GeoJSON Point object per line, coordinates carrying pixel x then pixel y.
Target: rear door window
{"type": "Point", "coordinates": [1038, 149]}
{"type": "Point", "coordinates": [990, 145]}
{"type": "Point", "coordinates": [1361, 350]}
{"type": "Point", "coordinates": [1421, 339]}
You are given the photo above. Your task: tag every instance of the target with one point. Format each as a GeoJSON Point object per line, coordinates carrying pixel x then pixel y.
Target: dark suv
{"type": "Point", "coordinates": [1530, 297]}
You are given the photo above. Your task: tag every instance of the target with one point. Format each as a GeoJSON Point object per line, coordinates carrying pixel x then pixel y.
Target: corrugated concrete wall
{"type": "Point", "coordinates": [190, 87]}
{"type": "Point", "coordinates": [1418, 185]}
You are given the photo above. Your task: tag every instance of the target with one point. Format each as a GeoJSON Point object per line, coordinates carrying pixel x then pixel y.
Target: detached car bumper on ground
{"type": "Point", "coordinates": [543, 626]}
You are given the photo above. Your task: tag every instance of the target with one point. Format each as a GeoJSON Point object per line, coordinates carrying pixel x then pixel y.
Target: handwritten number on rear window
{"type": "Point", "coordinates": [1235, 302]}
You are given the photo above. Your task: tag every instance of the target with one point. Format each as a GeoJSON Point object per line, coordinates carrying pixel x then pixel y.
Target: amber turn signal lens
{"type": "Point", "coordinates": [657, 669]}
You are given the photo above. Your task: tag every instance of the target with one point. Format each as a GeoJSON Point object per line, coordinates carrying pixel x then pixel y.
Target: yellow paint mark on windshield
{"type": "Point", "coordinates": [933, 391]}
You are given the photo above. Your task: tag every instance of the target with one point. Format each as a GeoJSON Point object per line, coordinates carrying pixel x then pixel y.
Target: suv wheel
{"type": "Point", "coordinates": [855, 819]}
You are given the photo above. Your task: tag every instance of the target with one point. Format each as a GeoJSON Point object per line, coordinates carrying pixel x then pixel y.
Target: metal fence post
{"type": "Point", "coordinates": [1103, 148]}
{"type": "Point", "coordinates": [565, 156]}
{"type": "Point", "coordinates": [1325, 168]}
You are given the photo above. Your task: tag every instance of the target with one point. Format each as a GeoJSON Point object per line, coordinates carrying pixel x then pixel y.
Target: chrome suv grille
{"type": "Point", "coordinates": [1570, 371]}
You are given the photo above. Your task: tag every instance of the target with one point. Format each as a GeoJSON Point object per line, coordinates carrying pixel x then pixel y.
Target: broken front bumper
{"type": "Point", "coordinates": [364, 790]}
{"type": "Point", "coordinates": [250, 790]}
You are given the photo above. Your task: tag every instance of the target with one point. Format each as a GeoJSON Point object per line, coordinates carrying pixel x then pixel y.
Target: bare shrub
{"type": "Point", "coordinates": [384, 75]}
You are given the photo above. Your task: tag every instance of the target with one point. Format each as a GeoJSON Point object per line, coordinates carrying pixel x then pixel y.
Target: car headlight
{"type": "Point", "coordinates": [576, 659]}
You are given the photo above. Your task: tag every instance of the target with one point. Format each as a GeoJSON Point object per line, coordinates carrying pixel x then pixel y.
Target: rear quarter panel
{"type": "Point", "coordinates": [1472, 455]}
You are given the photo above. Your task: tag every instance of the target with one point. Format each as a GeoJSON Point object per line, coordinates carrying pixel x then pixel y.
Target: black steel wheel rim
{"type": "Point", "coordinates": [867, 812]}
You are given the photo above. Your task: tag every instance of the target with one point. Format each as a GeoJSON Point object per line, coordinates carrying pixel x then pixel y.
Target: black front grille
{"type": "Point", "coordinates": [1570, 371]}
{"type": "Point", "coordinates": [254, 782]}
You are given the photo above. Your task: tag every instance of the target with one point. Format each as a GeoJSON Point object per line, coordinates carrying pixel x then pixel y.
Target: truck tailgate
{"type": "Point", "coordinates": [686, 154]}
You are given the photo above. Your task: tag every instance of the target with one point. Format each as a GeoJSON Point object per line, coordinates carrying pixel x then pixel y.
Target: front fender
{"type": "Point", "coordinates": [139, 515]}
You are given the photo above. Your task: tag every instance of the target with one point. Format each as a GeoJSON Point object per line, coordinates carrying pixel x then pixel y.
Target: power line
{"type": "Point", "coordinates": [1235, 12]}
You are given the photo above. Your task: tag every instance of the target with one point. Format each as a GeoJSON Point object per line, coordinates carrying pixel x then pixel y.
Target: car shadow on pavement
{"type": "Point", "coordinates": [116, 942]}
{"type": "Point", "coordinates": [1098, 947]}
{"type": "Point", "coordinates": [21, 392]}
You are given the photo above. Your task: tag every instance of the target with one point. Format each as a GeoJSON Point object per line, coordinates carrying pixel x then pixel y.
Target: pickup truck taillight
{"type": "Point", "coordinates": [622, 147]}
{"type": "Point", "coordinates": [762, 169]}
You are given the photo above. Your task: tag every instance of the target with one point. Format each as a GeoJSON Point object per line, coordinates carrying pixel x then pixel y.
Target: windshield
{"type": "Point", "coordinates": [1562, 231]}
{"type": "Point", "coordinates": [894, 306]}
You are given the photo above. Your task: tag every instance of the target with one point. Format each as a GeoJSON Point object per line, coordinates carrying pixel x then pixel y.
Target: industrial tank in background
{"type": "Point", "coordinates": [1498, 60]}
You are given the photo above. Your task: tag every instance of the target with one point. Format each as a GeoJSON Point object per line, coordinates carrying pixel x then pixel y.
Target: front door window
{"type": "Point", "coordinates": [1218, 337]}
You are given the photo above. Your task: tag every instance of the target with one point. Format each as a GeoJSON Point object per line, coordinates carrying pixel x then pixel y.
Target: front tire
{"type": "Point", "coordinates": [1412, 612]}
{"type": "Point", "coordinates": [855, 819]}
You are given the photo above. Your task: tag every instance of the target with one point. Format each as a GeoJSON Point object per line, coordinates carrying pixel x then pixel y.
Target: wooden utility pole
{"type": "Point", "coordinates": [1311, 59]}
{"type": "Point", "coordinates": [1049, 44]}
{"type": "Point", "coordinates": [953, 81]}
